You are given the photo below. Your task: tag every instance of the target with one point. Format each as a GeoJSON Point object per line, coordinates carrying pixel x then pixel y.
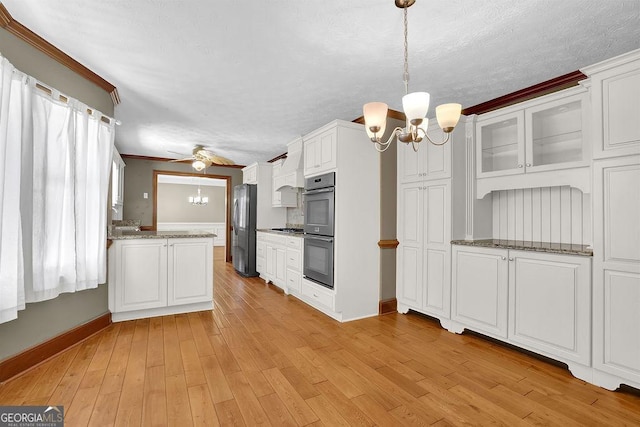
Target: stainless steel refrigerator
{"type": "Point", "coordinates": [243, 238]}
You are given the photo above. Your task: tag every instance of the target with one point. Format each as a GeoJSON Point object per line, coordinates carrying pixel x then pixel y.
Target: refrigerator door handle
{"type": "Point", "coordinates": [235, 217]}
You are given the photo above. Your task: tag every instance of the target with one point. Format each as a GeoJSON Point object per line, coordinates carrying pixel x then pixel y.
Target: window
{"type": "Point", "coordinates": [117, 186]}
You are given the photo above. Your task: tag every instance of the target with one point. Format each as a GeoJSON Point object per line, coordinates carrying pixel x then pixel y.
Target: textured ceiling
{"type": "Point", "coordinates": [246, 77]}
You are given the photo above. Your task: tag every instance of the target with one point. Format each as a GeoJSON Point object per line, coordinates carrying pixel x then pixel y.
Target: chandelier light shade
{"type": "Point", "coordinates": [448, 116]}
{"type": "Point", "coordinates": [415, 106]}
{"type": "Point", "coordinates": [375, 117]}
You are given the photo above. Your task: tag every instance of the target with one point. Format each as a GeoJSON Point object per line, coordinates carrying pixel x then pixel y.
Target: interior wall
{"type": "Point", "coordinates": [174, 206]}
{"type": "Point", "coordinates": [388, 191]}
{"type": "Point", "coordinates": [44, 320]}
{"type": "Point", "coordinates": [138, 180]}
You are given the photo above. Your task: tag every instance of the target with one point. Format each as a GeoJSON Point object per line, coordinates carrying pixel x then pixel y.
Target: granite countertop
{"type": "Point", "coordinates": [556, 248]}
{"type": "Point", "coordinates": [166, 234]}
{"type": "Point", "coordinates": [282, 233]}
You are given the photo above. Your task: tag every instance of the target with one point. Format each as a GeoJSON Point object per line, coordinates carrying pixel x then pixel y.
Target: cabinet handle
{"type": "Point", "coordinates": [510, 259]}
{"type": "Point", "coordinates": [503, 258]}
{"type": "Point", "coordinates": [424, 188]}
{"type": "Point", "coordinates": [315, 295]}
{"type": "Point", "coordinates": [528, 165]}
{"type": "Point", "coordinates": [520, 165]}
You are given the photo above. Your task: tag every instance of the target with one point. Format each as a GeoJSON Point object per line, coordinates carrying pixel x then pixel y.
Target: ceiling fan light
{"type": "Point", "coordinates": [415, 105]}
{"type": "Point", "coordinates": [198, 165]}
{"type": "Point", "coordinates": [375, 116]}
{"type": "Point", "coordinates": [448, 116]}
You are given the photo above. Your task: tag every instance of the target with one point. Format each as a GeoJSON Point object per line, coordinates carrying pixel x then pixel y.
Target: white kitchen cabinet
{"type": "Point", "coordinates": [271, 258]}
{"type": "Point", "coordinates": [320, 152]}
{"type": "Point", "coordinates": [250, 174]}
{"type": "Point", "coordinates": [535, 300]}
{"type": "Point", "coordinates": [479, 292]}
{"type": "Point", "coordinates": [344, 148]}
{"type": "Point", "coordinates": [616, 272]}
{"type": "Point", "coordinates": [282, 198]}
{"type": "Point", "coordinates": [615, 92]}
{"type": "Point", "coordinates": [429, 162]}
{"type": "Point", "coordinates": [261, 175]}
{"type": "Point", "coordinates": [538, 143]}
{"type": "Point", "coordinates": [550, 304]}
{"type": "Point", "coordinates": [141, 274]}
{"type": "Point", "coordinates": [424, 233]}
{"type": "Point", "coordinates": [154, 277]}
{"type": "Point", "coordinates": [294, 264]}
{"type": "Point", "coordinates": [188, 282]}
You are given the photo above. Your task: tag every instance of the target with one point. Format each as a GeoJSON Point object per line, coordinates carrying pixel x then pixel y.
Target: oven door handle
{"type": "Point", "coordinates": [318, 191]}
{"type": "Point", "coordinates": [314, 237]}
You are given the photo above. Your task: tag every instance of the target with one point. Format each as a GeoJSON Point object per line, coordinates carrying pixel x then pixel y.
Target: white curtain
{"type": "Point", "coordinates": [14, 106]}
{"type": "Point", "coordinates": [63, 174]}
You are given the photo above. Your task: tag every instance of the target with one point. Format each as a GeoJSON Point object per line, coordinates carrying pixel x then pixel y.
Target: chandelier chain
{"type": "Point", "coordinates": [406, 53]}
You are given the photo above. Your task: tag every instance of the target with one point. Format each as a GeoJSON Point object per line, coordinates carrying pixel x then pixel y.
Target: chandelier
{"type": "Point", "coordinates": [415, 106]}
{"type": "Point", "coordinates": [199, 200]}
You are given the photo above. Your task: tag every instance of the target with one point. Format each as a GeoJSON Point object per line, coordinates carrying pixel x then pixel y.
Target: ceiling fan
{"type": "Point", "coordinates": [203, 158]}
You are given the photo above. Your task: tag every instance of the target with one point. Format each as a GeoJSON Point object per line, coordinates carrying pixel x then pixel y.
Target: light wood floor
{"type": "Point", "coordinates": [261, 357]}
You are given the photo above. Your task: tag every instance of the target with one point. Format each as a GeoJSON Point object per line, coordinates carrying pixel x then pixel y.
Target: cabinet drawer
{"type": "Point", "coordinates": [293, 281]}
{"type": "Point", "coordinates": [318, 294]}
{"type": "Point", "coordinates": [293, 259]}
{"type": "Point", "coordinates": [260, 265]}
{"type": "Point", "coordinates": [294, 242]}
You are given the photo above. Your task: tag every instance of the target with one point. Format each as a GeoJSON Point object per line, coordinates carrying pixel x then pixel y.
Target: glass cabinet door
{"type": "Point", "coordinates": [554, 134]}
{"type": "Point", "coordinates": [500, 149]}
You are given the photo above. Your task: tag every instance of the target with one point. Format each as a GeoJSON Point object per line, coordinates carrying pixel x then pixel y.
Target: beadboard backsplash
{"type": "Point", "coordinates": [548, 214]}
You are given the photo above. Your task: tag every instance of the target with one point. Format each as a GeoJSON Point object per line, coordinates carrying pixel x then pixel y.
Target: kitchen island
{"type": "Point", "coordinates": [156, 273]}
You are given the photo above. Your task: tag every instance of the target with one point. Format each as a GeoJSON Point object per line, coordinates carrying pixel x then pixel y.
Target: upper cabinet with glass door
{"type": "Point", "coordinates": [518, 144]}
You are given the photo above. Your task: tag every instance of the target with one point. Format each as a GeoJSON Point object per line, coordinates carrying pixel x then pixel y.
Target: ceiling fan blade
{"type": "Point", "coordinates": [223, 161]}
{"type": "Point", "coordinates": [182, 160]}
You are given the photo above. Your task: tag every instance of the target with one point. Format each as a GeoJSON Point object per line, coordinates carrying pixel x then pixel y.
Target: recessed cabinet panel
{"type": "Point", "coordinates": [435, 197]}
{"type": "Point", "coordinates": [622, 213]}
{"type": "Point", "coordinates": [436, 277]}
{"type": "Point", "coordinates": [411, 226]}
{"type": "Point", "coordinates": [621, 105]}
{"type": "Point", "coordinates": [549, 304]}
{"type": "Point", "coordinates": [479, 296]}
{"type": "Point", "coordinates": [188, 281]}
{"type": "Point", "coordinates": [410, 283]}
{"type": "Point", "coordinates": [622, 321]}
{"type": "Point", "coordinates": [142, 288]}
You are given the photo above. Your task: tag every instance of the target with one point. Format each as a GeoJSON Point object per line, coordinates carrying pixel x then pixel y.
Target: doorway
{"type": "Point", "coordinates": [178, 187]}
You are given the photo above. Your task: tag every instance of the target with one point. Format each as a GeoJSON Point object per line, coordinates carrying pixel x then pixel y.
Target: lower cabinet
{"type": "Point", "coordinates": [480, 289]}
{"type": "Point", "coordinates": [279, 260]}
{"type": "Point", "coordinates": [154, 277]}
{"type": "Point", "coordinates": [294, 265]}
{"type": "Point", "coordinates": [537, 301]}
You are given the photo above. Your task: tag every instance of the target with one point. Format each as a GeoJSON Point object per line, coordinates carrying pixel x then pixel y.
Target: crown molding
{"type": "Point", "coordinates": [25, 34]}
{"type": "Point", "coordinates": [562, 82]}
{"type": "Point", "coordinates": [165, 159]}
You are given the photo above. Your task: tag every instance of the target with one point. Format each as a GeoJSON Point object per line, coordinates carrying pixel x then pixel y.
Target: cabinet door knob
{"type": "Point", "coordinates": [520, 165]}
{"type": "Point", "coordinates": [503, 258]}
{"type": "Point", "coordinates": [510, 259]}
{"type": "Point", "coordinates": [528, 165]}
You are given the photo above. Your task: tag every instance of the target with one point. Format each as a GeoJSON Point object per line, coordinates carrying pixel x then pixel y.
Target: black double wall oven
{"type": "Point", "coordinates": [319, 217]}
